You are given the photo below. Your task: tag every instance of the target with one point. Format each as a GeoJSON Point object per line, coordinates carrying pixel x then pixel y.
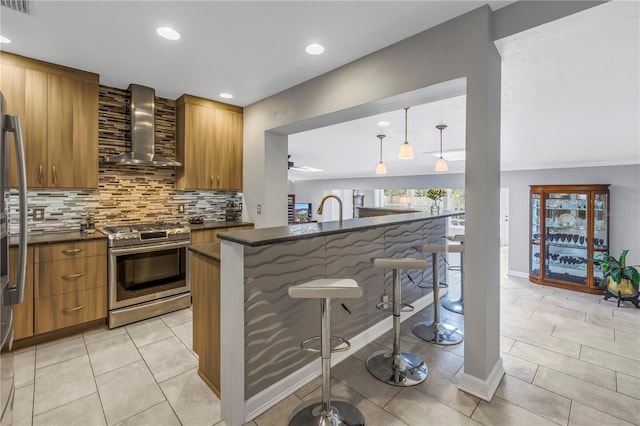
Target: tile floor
{"type": "Point", "coordinates": [570, 359]}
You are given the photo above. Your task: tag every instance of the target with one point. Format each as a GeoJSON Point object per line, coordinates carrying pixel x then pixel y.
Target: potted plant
{"type": "Point", "coordinates": [621, 280]}
{"type": "Point", "coordinates": [436, 195]}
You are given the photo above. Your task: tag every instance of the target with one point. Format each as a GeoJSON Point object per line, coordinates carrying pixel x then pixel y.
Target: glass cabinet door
{"type": "Point", "coordinates": [600, 222]}
{"type": "Point", "coordinates": [566, 236]}
{"type": "Point", "coordinates": [535, 218]}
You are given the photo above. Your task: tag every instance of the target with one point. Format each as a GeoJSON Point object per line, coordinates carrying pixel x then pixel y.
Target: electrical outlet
{"type": "Point", "coordinates": [259, 208]}
{"type": "Point", "coordinates": [180, 208]}
{"type": "Point", "coordinates": [38, 215]}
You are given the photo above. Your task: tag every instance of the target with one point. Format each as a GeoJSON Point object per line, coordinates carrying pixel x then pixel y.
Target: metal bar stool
{"type": "Point", "coordinates": [438, 331]}
{"type": "Point", "coordinates": [395, 367]}
{"type": "Point", "coordinates": [457, 305]}
{"type": "Point", "coordinates": [326, 412]}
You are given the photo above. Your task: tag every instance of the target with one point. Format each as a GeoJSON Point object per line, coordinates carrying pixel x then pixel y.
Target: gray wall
{"type": "Point", "coordinates": [624, 232]}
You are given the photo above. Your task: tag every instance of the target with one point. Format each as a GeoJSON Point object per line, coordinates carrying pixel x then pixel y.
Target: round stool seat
{"type": "Point", "coordinates": [326, 288]}
{"type": "Point", "coordinates": [399, 263]}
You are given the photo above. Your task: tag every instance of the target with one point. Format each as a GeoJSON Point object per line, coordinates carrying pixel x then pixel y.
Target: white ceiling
{"type": "Point", "coordinates": [570, 87]}
{"type": "Point", "coordinates": [570, 98]}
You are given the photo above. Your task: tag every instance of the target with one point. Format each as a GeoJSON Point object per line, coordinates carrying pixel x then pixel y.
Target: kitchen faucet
{"type": "Point", "coordinates": [319, 211]}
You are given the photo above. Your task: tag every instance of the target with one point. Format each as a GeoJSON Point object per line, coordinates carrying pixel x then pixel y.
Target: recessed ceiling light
{"type": "Point", "coordinates": [226, 95]}
{"type": "Point", "coordinates": [168, 33]}
{"type": "Point", "coordinates": [314, 49]}
{"type": "Point", "coordinates": [383, 123]}
{"type": "Point", "coordinates": [4, 39]}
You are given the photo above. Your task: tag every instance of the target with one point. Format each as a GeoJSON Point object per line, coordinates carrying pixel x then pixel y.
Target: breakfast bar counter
{"type": "Point", "coordinates": [262, 327]}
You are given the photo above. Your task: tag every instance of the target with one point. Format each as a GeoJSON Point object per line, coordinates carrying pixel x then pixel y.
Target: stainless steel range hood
{"type": "Point", "coordinates": [142, 110]}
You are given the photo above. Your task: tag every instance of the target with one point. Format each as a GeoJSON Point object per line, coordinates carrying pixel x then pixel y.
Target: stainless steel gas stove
{"type": "Point", "coordinates": [148, 270]}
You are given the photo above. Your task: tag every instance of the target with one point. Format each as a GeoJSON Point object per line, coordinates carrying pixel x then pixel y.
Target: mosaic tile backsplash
{"type": "Point", "coordinates": [127, 193]}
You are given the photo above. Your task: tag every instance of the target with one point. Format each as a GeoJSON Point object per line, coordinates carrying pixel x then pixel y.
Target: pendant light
{"type": "Point", "coordinates": [441, 163]}
{"type": "Point", "coordinates": [381, 169]}
{"type": "Point", "coordinates": [406, 153]}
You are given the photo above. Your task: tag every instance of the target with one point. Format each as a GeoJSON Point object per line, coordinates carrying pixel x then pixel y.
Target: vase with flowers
{"type": "Point", "coordinates": [436, 194]}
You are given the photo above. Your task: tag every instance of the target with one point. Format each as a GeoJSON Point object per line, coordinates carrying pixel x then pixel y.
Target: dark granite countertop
{"type": "Point", "coordinates": [281, 234]}
{"type": "Point", "coordinates": [211, 250]}
{"type": "Point", "coordinates": [58, 237]}
{"type": "Point", "coordinates": [214, 225]}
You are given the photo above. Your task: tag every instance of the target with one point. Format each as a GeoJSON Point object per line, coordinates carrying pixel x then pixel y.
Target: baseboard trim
{"type": "Point", "coordinates": [483, 389]}
{"type": "Point", "coordinates": [275, 393]}
{"type": "Point", "coordinates": [517, 274]}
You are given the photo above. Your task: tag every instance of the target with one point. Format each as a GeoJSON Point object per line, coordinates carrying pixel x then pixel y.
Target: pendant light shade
{"type": "Point", "coordinates": [381, 169]}
{"type": "Point", "coordinates": [441, 163]}
{"type": "Point", "coordinates": [406, 152]}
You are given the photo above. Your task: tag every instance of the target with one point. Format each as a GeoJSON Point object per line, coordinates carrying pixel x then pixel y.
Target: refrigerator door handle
{"type": "Point", "coordinates": [15, 295]}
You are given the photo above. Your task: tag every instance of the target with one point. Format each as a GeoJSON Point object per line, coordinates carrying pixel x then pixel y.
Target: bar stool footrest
{"type": "Point", "coordinates": [388, 307]}
{"type": "Point", "coordinates": [306, 344]}
{"type": "Point", "coordinates": [429, 286]}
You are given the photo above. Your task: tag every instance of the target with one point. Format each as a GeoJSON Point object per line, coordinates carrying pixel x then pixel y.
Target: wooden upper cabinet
{"type": "Point", "coordinates": [58, 107]}
{"type": "Point", "coordinates": [209, 144]}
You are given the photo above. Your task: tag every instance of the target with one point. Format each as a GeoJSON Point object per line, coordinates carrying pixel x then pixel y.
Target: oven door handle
{"type": "Point", "coordinates": [118, 251]}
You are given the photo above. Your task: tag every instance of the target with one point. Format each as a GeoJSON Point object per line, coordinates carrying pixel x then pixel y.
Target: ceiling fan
{"type": "Point", "coordinates": [306, 169]}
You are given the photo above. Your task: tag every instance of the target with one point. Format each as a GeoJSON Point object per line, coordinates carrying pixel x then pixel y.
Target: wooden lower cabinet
{"type": "Point", "coordinates": [201, 236]}
{"type": "Point", "coordinates": [205, 293]}
{"type": "Point", "coordinates": [69, 309]}
{"type": "Point", "coordinates": [22, 313]}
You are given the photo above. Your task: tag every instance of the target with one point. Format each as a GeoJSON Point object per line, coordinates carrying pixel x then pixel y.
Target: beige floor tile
{"type": "Point", "coordinates": [516, 310]}
{"type": "Point", "coordinates": [629, 385]}
{"type": "Point", "coordinates": [149, 331]}
{"type": "Point", "coordinates": [62, 383]}
{"type": "Point", "coordinates": [574, 367]}
{"type": "Point", "coordinates": [518, 367]}
{"type": "Point", "coordinates": [506, 343]}
{"type": "Point", "coordinates": [538, 327]}
{"type": "Point", "coordinates": [418, 409]}
{"type": "Point", "coordinates": [160, 414]}
{"type": "Point", "coordinates": [353, 373]}
{"type": "Point", "coordinates": [582, 415]}
{"type": "Point", "coordinates": [305, 390]}
{"type": "Point", "coordinates": [191, 399]}
{"type": "Point", "coordinates": [279, 413]}
{"type": "Point", "coordinates": [23, 406]}
{"type": "Point", "coordinates": [609, 360]}
{"type": "Point", "coordinates": [168, 358]}
{"type": "Point", "coordinates": [372, 347]}
{"type": "Point", "coordinates": [436, 358]}
{"type": "Point", "coordinates": [184, 332]}
{"type": "Point", "coordinates": [112, 353]}
{"type": "Point", "coordinates": [618, 347]}
{"type": "Point", "coordinates": [537, 400]}
{"type": "Point", "coordinates": [597, 309]}
{"type": "Point", "coordinates": [60, 350]}
{"type": "Point", "coordinates": [373, 414]}
{"type": "Point", "coordinates": [627, 312]}
{"type": "Point", "coordinates": [503, 413]}
{"type": "Point", "coordinates": [594, 396]}
{"type": "Point", "coordinates": [445, 390]}
{"type": "Point", "coordinates": [622, 324]}
{"type": "Point", "coordinates": [97, 334]}
{"type": "Point", "coordinates": [121, 402]}
{"type": "Point", "coordinates": [175, 318]}
{"type": "Point", "coordinates": [81, 412]}
{"type": "Point", "coordinates": [547, 342]}
{"type": "Point", "coordinates": [549, 305]}
{"type": "Point", "coordinates": [24, 363]}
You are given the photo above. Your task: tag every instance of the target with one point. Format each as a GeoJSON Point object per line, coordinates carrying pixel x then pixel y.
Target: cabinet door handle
{"type": "Point", "coordinates": [73, 276]}
{"type": "Point", "coordinates": [54, 175]}
{"type": "Point", "coordinates": [218, 179]}
{"type": "Point", "coordinates": [40, 176]}
{"type": "Point", "coordinates": [70, 310]}
{"type": "Point", "coordinates": [73, 251]}
{"type": "Point", "coordinates": [211, 179]}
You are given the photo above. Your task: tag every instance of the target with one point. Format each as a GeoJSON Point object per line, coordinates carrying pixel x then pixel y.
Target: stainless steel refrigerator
{"type": "Point", "coordinates": [10, 293]}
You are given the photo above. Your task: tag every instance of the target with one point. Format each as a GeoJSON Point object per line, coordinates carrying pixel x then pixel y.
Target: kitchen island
{"type": "Point", "coordinates": [262, 327]}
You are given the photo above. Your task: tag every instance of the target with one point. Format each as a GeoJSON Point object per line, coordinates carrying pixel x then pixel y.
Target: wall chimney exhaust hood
{"type": "Point", "coordinates": [142, 110]}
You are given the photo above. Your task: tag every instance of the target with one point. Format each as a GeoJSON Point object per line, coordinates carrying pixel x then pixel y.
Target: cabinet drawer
{"type": "Point", "coordinates": [67, 276]}
{"type": "Point", "coordinates": [69, 309]}
{"type": "Point", "coordinates": [52, 252]}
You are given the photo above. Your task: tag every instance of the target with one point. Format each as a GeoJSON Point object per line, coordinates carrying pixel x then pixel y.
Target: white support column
{"type": "Point", "coordinates": [232, 333]}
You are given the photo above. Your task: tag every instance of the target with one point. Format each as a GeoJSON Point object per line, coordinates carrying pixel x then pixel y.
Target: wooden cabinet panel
{"type": "Point", "coordinates": [22, 313]}
{"type": "Point", "coordinates": [68, 309]}
{"type": "Point", "coordinates": [208, 144]}
{"type": "Point", "coordinates": [206, 235]}
{"type": "Point", "coordinates": [205, 293]}
{"type": "Point", "coordinates": [58, 107]}
{"type": "Point", "coordinates": [228, 153]}
{"type": "Point", "coordinates": [70, 275]}
{"type": "Point", "coordinates": [61, 251]}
